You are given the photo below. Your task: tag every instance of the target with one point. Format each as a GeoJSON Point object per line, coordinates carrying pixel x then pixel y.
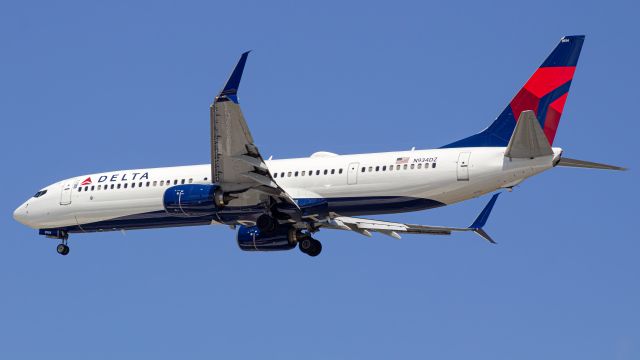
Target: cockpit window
{"type": "Point", "coordinates": [40, 193]}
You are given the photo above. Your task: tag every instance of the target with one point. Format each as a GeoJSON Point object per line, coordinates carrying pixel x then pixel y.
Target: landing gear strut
{"type": "Point", "coordinates": [310, 246]}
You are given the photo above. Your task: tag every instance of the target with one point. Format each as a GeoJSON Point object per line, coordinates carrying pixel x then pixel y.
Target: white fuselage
{"type": "Point", "coordinates": [424, 178]}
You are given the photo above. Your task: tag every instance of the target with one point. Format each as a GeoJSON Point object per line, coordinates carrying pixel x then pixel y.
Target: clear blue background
{"type": "Point", "coordinates": [95, 87]}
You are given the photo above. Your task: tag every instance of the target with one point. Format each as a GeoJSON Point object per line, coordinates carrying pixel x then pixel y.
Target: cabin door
{"type": "Point", "coordinates": [463, 166]}
{"type": "Point", "coordinates": [65, 195]}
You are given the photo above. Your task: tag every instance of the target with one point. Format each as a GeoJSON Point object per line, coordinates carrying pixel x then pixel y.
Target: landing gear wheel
{"type": "Point", "coordinates": [62, 249]}
{"type": "Point", "coordinates": [310, 246]}
{"type": "Point", "coordinates": [305, 245]}
{"type": "Point", "coordinates": [316, 248]}
{"type": "Point", "coordinates": [266, 223]}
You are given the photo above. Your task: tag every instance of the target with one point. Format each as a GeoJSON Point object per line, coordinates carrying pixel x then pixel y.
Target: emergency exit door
{"type": "Point", "coordinates": [463, 166]}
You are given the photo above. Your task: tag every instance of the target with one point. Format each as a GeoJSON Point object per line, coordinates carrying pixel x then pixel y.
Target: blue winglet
{"type": "Point", "coordinates": [230, 89]}
{"type": "Point", "coordinates": [484, 215]}
{"type": "Point", "coordinates": [477, 225]}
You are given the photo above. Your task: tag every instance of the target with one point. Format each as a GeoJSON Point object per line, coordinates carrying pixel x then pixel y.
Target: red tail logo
{"type": "Point", "coordinates": [86, 181]}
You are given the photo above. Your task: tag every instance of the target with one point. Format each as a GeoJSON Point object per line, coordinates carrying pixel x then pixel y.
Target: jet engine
{"type": "Point", "coordinates": [282, 238]}
{"type": "Point", "coordinates": [193, 199]}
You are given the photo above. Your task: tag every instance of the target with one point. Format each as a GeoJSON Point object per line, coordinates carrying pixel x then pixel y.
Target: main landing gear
{"type": "Point", "coordinates": [266, 223]}
{"type": "Point", "coordinates": [310, 246]}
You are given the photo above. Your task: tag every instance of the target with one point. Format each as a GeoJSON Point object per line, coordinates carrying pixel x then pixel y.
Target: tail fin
{"type": "Point", "coordinates": [545, 93]}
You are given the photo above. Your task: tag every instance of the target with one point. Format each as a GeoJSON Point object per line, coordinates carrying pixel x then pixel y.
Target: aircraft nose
{"type": "Point", "coordinates": [20, 214]}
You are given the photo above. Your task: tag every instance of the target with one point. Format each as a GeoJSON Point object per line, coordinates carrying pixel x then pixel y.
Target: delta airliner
{"type": "Point", "coordinates": [281, 204]}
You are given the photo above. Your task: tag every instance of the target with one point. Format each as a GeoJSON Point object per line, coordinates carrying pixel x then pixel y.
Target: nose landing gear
{"type": "Point", "coordinates": [63, 248]}
{"type": "Point", "coordinates": [62, 235]}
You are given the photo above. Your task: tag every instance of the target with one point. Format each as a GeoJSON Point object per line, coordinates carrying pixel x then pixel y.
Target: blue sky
{"type": "Point", "coordinates": [115, 85]}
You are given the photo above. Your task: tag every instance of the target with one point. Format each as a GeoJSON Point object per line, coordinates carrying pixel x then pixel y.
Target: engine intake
{"type": "Point", "coordinates": [283, 238]}
{"type": "Point", "coordinates": [193, 199]}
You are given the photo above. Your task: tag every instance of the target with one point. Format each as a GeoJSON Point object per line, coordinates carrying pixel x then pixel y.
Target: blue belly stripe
{"type": "Point", "coordinates": [346, 206]}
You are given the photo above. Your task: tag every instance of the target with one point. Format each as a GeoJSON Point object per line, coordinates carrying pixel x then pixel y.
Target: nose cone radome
{"type": "Point", "coordinates": [21, 214]}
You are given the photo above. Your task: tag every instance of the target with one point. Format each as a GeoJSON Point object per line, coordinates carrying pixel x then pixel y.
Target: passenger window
{"type": "Point", "coordinates": [317, 172]}
{"type": "Point", "coordinates": [86, 188]}
{"type": "Point", "coordinates": [205, 179]}
{"type": "Point", "coordinates": [333, 171]}
{"type": "Point", "coordinates": [175, 182]}
{"type": "Point", "coordinates": [161, 182]}
{"type": "Point", "coordinates": [296, 174]}
{"type": "Point", "coordinates": [99, 187]}
{"type": "Point", "coordinates": [413, 166]}
{"type": "Point", "coordinates": [289, 174]}
{"type": "Point", "coordinates": [433, 165]}
{"type": "Point", "coordinates": [118, 186]}
{"type": "Point", "coordinates": [391, 168]}
{"type": "Point", "coordinates": [340, 171]}
{"type": "Point", "coordinates": [397, 167]}
{"type": "Point", "coordinates": [182, 181]}
{"type": "Point", "coordinates": [190, 181]}
{"type": "Point", "coordinates": [125, 185]}
{"type": "Point", "coordinates": [420, 166]}
{"type": "Point", "coordinates": [106, 186]}
{"type": "Point", "coordinates": [384, 168]}
{"type": "Point", "coordinates": [363, 169]}
{"type": "Point", "coordinates": [155, 183]}
{"type": "Point", "coordinates": [377, 168]}
{"type": "Point", "coordinates": [275, 175]}
{"type": "Point", "coordinates": [303, 173]}
{"type": "Point", "coordinates": [79, 189]}
{"type": "Point", "coordinates": [140, 184]}
{"type": "Point", "coordinates": [370, 168]}
{"type": "Point", "coordinates": [404, 167]}
{"type": "Point", "coordinates": [148, 183]}
{"type": "Point", "coordinates": [310, 172]}
{"type": "Point", "coordinates": [112, 186]}
{"type": "Point", "coordinates": [326, 171]}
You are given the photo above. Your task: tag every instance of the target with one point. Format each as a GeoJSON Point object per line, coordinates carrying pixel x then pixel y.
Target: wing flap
{"type": "Point", "coordinates": [393, 229]}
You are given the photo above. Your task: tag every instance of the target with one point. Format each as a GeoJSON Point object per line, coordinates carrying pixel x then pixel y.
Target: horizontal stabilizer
{"type": "Point", "coordinates": [528, 140]}
{"type": "Point", "coordinates": [587, 164]}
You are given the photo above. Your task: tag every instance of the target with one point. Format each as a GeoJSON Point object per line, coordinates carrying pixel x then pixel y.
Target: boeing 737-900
{"type": "Point", "coordinates": [281, 204]}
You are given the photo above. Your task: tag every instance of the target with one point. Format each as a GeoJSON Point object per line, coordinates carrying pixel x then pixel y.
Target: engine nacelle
{"type": "Point", "coordinates": [193, 199]}
{"type": "Point", "coordinates": [283, 238]}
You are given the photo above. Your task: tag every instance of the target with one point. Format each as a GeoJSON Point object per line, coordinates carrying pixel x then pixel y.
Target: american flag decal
{"type": "Point", "coordinates": [402, 160]}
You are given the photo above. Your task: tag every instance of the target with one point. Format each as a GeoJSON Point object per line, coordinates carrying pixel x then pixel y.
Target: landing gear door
{"type": "Point", "coordinates": [463, 166]}
{"type": "Point", "coordinates": [352, 173]}
{"type": "Point", "coordinates": [67, 190]}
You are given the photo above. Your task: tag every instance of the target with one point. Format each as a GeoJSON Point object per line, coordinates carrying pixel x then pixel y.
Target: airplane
{"type": "Point", "coordinates": [281, 204]}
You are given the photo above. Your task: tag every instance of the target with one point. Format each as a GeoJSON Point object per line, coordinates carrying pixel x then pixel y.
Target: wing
{"type": "Point", "coordinates": [366, 226]}
{"type": "Point", "coordinates": [236, 163]}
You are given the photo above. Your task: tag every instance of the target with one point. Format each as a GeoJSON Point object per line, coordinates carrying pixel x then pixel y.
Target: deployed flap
{"type": "Point", "coordinates": [528, 140]}
{"type": "Point", "coordinates": [366, 226]}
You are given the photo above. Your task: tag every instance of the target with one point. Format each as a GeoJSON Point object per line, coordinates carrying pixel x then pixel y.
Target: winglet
{"type": "Point", "coordinates": [230, 90]}
{"type": "Point", "coordinates": [481, 220]}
